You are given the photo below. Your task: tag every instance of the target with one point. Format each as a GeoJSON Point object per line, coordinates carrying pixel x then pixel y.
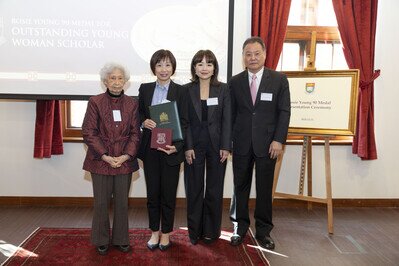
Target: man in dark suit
{"type": "Point", "coordinates": [260, 101]}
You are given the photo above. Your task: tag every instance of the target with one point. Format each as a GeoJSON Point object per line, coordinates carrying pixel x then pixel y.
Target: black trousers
{"type": "Point", "coordinates": [264, 174]}
{"type": "Point", "coordinates": [161, 181]}
{"type": "Point", "coordinates": [106, 187]}
{"type": "Point", "coordinates": [204, 194]}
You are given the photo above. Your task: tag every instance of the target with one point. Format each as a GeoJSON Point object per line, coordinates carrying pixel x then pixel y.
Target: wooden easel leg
{"type": "Point", "coordinates": [309, 171]}
{"type": "Point", "coordinates": [328, 186]}
{"type": "Point", "coordinates": [303, 165]}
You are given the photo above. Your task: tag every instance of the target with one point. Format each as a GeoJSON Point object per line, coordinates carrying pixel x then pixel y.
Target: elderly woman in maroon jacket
{"type": "Point", "coordinates": [111, 131]}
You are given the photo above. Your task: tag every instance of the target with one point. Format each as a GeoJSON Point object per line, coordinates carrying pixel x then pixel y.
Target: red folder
{"type": "Point", "coordinates": [160, 137]}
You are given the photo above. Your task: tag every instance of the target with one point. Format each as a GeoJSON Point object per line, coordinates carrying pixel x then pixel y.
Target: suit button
{"type": "Point", "coordinates": [253, 113]}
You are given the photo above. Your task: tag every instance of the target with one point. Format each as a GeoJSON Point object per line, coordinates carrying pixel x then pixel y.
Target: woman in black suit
{"type": "Point", "coordinates": [162, 166]}
{"type": "Point", "coordinates": [207, 143]}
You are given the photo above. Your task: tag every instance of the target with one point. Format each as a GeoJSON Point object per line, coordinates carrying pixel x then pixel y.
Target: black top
{"type": "Point", "coordinates": [204, 109]}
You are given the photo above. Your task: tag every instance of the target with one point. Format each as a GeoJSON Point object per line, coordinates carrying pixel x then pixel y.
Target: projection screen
{"type": "Point", "coordinates": [56, 48]}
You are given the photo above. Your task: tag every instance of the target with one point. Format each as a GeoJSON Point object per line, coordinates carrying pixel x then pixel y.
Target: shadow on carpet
{"type": "Point", "coordinates": [55, 246]}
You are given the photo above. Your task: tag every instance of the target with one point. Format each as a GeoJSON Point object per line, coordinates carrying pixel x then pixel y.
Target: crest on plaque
{"type": "Point", "coordinates": [310, 87]}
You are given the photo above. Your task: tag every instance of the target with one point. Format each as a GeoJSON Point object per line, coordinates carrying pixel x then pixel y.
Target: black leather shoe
{"type": "Point", "coordinates": [102, 250]}
{"type": "Point", "coordinates": [236, 240]}
{"type": "Point", "coordinates": [209, 240]}
{"type": "Point", "coordinates": [266, 242]}
{"type": "Point", "coordinates": [193, 240]}
{"type": "Point", "coordinates": [123, 248]}
{"type": "Point", "coordinates": [165, 247]}
{"type": "Point", "coordinates": [152, 246]}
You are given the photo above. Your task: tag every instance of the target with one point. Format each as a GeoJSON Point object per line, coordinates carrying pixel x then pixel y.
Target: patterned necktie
{"type": "Point", "coordinates": [253, 89]}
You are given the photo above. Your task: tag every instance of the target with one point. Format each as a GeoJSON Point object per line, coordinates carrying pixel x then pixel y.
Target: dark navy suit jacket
{"type": "Point", "coordinates": [258, 125]}
{"type": "Point", "coordinates": [175, 93]}
{"type": "Point", "coordinates": [219, 117]}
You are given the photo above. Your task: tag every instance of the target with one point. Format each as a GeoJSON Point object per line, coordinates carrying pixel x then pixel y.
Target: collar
{"type": "Point", "coordinates": [166, 87]}
{"type": "Point", "coordinates": [113, 95]}
{"type": "Point", "coordinates": [257, 74]}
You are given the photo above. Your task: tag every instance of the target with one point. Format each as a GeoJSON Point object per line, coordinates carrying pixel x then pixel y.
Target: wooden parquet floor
{"type": "Point", "coordinates": [362, 236]}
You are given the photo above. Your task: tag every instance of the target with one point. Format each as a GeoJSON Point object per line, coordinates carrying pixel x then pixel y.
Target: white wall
{"type": "Point", "coordinates": [21, 175]}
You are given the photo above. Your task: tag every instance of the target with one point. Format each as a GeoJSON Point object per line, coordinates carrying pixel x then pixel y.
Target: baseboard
{"type": "Point", "coordinates": [181, 202]}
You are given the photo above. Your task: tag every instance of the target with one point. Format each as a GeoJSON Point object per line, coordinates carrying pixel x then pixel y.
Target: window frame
{"type": "Point", "coordinates": [69, 134]}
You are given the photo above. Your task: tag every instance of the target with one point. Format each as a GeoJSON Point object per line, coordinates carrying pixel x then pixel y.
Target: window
{"type": "Point", "coordinates": [312, 41]}
{"type": "Point", "coordinates": [312, 30]}
{"type": "Point", "coordinates": [72, 117]}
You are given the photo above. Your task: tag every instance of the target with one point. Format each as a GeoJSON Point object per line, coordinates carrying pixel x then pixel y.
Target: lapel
{"type": "Point", "coordinates": [171, 92]}
{"type": "Point", "coordinates": [196, 99]}
{"type": "Point", "coordinates": [246, 90]}
{"type": "Point", "coordinates": [264, 84]}
{"type": "Point", "coordinates": [150, 94]}
{"type": "Point", "coordinates": [214, 92]}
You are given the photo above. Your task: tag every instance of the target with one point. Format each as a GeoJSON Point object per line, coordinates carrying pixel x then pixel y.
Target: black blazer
{"type": "Point", "coordinates": [219, 117]}
{"type": "Point", "coordinates": [258, 125]}
{"type": "Point", "coordinates": [175, 93]}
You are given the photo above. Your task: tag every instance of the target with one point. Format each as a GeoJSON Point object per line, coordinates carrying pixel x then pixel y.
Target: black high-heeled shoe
{"type": "Point", "coordinates": [165, 247]}
{"type": "Point", "coordinates": [152, 247]}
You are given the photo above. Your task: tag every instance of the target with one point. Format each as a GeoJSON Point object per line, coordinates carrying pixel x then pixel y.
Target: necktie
{"type": "Point", "coordinates": [253, 89]}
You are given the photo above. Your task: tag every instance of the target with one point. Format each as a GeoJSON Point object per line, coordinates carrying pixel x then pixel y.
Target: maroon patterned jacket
{"type": "Point", "coordinates": [103, 135]}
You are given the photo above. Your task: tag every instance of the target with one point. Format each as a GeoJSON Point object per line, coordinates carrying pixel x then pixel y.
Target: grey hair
{"type": "Point", "coordinates": [109, 67]}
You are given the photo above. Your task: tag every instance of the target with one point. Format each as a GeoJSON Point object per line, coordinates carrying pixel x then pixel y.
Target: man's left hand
{"type": "Point", "coordinates": [275, 149]}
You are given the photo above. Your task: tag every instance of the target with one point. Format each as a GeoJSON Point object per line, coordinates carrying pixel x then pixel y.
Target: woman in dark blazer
{"type": "Point", "coordinates": [111, 131]}
{"type": "Point", "coordinates": [161, 166]}
{"type": "Point", "coordinates": [207, 144]}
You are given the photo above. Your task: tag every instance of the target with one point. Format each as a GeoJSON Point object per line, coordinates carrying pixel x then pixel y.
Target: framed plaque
{"type": "Point", "coordinates": [323, 102]}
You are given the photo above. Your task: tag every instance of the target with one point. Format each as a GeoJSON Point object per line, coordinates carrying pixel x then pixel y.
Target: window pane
{"type": "Point", "coordinates": [289, 59]}
{"type": "Point", "coordinates": [326, 14]}
{"type": "Point", "coordinates": [295, 13]}
{"type": "Point", "coordinates": [77, 112]}
{"type": "Point", "coordinates": [305, 13]}
{"type": "Point", "coordinates": [323, 56]}
{"type": "Point", "coordinates": [339, 61]}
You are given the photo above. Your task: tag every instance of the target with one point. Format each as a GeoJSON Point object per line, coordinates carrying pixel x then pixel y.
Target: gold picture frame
{"type": "Point", "coordinates": [323, 102]}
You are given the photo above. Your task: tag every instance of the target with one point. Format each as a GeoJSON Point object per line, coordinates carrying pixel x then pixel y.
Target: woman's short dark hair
{"type": "Point", "coordinates": [161, 55]}
{"type": "Point", "coordinates": [209, 58]}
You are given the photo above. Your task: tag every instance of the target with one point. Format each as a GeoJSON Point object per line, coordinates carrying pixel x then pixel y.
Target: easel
{"type": "Point", "coordinates": [306, 164]}
{"type": "Point", "coordinates": [306, 161]}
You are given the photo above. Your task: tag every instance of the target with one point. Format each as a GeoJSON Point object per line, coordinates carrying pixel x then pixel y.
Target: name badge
{"type": "Point", "coordinates": [117, 115]}
{"type": "Point", "coordinates": [268, 97]}
{"type": "Point", "coordinates": [212, 101]}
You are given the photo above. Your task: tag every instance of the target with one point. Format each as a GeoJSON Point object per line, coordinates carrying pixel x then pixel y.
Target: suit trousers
{"type": "Point", "coordinates": [204, 194]}
{"type": "Point", "coordinates": [161, 181]}
{"type": "Point", "coordinates": [264, 174]}
{"type": "Point", "coordinates": [106, 187]}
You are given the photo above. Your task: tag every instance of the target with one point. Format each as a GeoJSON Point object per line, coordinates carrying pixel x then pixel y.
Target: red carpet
{"type": "Point", "coordinates": [52, 246]}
